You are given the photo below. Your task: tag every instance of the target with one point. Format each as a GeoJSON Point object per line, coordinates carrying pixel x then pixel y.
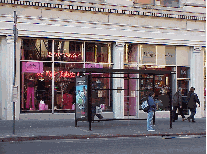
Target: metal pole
{"type": "Point", "coordinates": [89, 99]}
{"type": "Point", "coordinates": [153, 91]}
{"type": "Point", "coordinates": [171, 101]}
{"type": "Point", "coordinates": [14, 69]}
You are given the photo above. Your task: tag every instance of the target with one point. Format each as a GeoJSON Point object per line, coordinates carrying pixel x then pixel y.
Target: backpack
{"type": "Point", "coordinates": [145, 106]}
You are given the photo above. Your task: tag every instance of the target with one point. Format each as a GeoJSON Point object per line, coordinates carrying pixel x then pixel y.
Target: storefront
{"type": "Point", "coordinates": [39, 64]}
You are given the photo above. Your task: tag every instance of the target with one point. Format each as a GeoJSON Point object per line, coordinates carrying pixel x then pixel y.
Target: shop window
{"type": "Point", "coordinates": [64, 87]}
{"type": "Point", "coordinates": [97, 52]}
{"type": "Point", "coordinates": [184, 84]}
{"type": "Point", "coordinates": [36, 86]}
{"type": "Point", "coordinates": [70, 51]}
{"type": "Point", "coordinates": [36, 49]}
{"type": "Point", "coordinates": [183, 72]}
{"type": "Point", "coordinates": [100, 96]}
{"type": "Point", "coordinates": [160, 86]}
{"type": "Point", "coordinates": [131, 53]}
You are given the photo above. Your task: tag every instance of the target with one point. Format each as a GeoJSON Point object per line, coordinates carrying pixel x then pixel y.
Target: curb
{"type": "Point", "coordinates": [21, 139]}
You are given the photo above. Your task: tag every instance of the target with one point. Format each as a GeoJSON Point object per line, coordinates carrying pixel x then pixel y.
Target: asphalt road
{"type": "Point", "coordinates": [142, 145]}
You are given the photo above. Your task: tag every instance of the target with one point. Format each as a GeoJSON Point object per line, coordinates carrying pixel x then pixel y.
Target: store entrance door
{"type": "Point", "coordinates": [130, 105]}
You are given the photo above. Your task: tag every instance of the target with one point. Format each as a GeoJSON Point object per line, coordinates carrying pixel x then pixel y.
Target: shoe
{"type": "Point", "coordinates": [193, 120]}
{"type": "Point", "coordinates": [173, 120]}
{"type": "Point", "coordinates": [183, 119]}
{"type": "Point", "coordinates": [151, 130]}
{"type": "Point", "coordinates": [188, 119]}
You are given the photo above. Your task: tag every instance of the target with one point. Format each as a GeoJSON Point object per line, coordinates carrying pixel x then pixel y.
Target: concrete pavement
{"type": "Point", "coordinates": [60, 129]}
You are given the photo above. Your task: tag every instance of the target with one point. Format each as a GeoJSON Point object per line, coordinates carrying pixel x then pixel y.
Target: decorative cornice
{"type": "Point", "coordinates": [118, 9]}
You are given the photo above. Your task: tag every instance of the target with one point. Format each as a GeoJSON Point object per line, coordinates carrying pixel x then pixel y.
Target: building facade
{"type": "Point", "coordinates": [57, 36]}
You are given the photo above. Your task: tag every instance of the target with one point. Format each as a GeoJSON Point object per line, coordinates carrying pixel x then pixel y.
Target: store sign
{"type": "Point", "coordinates": [32, 67]}
{"type": "Point", "coordinates": [74, 55]}
{"type": "Point", "coordinates": [64, 74]}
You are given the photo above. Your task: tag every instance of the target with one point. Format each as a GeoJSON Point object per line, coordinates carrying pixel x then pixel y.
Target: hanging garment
{"type": "Point", "coordinates": [67, 101]}
{"type": "Point", "coordinates": [30, 95]}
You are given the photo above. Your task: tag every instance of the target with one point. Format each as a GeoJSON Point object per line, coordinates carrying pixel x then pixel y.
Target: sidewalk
{"type": "Point", "coordinates": [57, 129]}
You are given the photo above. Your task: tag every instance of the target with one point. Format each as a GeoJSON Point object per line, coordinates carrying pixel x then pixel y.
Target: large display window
{"type": "Point", "coordinates": [160, 85]}
{"type": "Point", "coordinates": [42, 93]}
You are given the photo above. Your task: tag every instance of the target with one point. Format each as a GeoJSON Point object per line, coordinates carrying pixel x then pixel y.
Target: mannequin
{"type": "Point", "coordinates": [30, 93]}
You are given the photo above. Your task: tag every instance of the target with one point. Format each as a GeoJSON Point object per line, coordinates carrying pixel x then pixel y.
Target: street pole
{"type": "Point", "coordinates": [14, 67]}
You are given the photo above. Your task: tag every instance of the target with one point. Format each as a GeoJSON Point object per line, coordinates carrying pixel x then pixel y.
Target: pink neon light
{"type": "Point", "coordinates": [63, 74]}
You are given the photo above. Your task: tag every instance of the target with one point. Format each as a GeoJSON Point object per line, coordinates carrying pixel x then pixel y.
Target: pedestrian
{"type": "Point", "coordinates": [165, 100]}
{"type": "Point", "coordinates": [177, 104]}
{"type": "Point", "coordinates": [151, 110]}
{"type": "Point", "coordinates": [192, 99]}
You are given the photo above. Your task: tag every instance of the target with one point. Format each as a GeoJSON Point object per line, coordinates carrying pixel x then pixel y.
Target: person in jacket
{"type": "Point", "coordinates": [151, 110]}
{"type": "Point", "coordinates": [177, 104]}
{"type": "Point", "coordinates": [192, 99]}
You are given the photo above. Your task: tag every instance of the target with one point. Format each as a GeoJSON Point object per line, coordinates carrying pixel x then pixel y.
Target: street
{"type": "Point", "coordinates": [140, 145]}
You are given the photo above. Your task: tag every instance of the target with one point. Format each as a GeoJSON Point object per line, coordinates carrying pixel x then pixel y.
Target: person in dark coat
{"type": "Point", "coordinates": [151, 110]}
{"type": "Point", "coordinates": [177, 104]}
{"type": "Point", "coordinates": [192, 99]}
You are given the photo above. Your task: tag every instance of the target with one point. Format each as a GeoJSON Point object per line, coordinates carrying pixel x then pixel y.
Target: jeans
{"type": "Point", "coordinates": [193, 111]}
{"type": "Point", "coordinates": [181, 111]}
{"type": "Point", "coordinates": [149, 120]}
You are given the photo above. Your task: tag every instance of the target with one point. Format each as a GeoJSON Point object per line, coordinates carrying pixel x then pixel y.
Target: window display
{"type": "Point", "coordinates": [97, 52]}
{"type": "Point", "coordinates": [161, 86]}
{"type": "Point", "coordinates": [36, 86]}
{"type": "Point", "coordinates": [36, 74]}
{"type": "Point", "coordinates": [100, 96]}
{"type": "Point", "coordinates": [64, 86]}
{"type": "Point", "coordinates": [70, 51]}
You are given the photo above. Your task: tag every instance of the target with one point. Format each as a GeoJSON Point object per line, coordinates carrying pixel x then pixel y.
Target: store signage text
{"type": "Point", "coordinates": [32, 67]}
{"type": "Point", "coordinates": [74, 55]}
{"type": "Point", "coordinates": [64, 74]}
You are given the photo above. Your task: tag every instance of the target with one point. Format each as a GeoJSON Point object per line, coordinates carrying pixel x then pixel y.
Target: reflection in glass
{"type": "Point", "coordinates": [36, 49]}
{"type": "Point", "coordinates": [68, 51]}
{"type": "Point", "coordinates": [97, 52]}
{"type": "Point", "coordinates": [64, 92]}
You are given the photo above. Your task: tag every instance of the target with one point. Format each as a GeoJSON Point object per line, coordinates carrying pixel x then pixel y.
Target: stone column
{"type": "Point", "coordinates": [118, 96]}
{"type": "Point", "coordinates": [9, 75]}
{"type": "Point", "coordinates": [6, 85]}
{"type": "Point", "coordinates": [197, 79]}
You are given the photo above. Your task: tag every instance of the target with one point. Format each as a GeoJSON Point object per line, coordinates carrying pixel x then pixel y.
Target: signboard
{"type": "Point", "coordinates": [81, 97]}
{"type": "Point", "coordinates": [32, 67]}
{"type": "Point", "coordinates": [15, 94]}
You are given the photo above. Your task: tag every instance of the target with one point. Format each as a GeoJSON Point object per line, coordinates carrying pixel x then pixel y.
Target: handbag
{"type": "Point", "coordinates": [145, 106]}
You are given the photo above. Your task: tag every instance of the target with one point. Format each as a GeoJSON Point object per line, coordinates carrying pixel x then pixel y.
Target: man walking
{"type": "Point", "coordinates": [177, 104]}
{"type": "Point", "coordinates": [192, 99]}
